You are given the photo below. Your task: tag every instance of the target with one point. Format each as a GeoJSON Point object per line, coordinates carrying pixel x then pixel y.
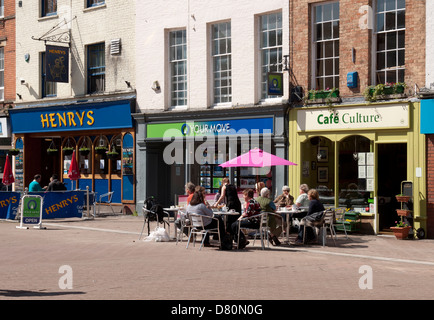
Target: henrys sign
{"type": "Point", "coordinates": [377, 117]}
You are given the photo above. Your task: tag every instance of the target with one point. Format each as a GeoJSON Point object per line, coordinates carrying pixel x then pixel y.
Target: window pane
{"type": "Point", "coordinates": [391, 59]}
{"type": "Point", "coordinates": [381, 41]}
{"type": "Point", "coordinates": [318, 32]}
{"type": "Point", "coordinates": [390, 5]}
{"type": "Point", "coordinates": [380, 22]}
{"type": "Point", "coordinates": [390, 20]}
{"type": "Point", "coordinates": [320, 50]}
{"type": "Point", "coordinates": [391, 40]}
{"type": "Point", "coordinates": [400, 19]}
{"type": "Point", "coordinates": [327, 29]}
{"type": "Point", "coordinates": [320, 68]}
{"type": "Point", "coordinates": [401, 57]}
{"type": "Point", "coordinates": [335, 29]}
{"type": "Point", "coordinates": [400, 4]}
{"type": "Point", "coordinates": [318, 14]}
{"type": "Point", "coordinates": [327, 12]}
{"type": "Point", "coordinates": [328, 83]}
{"type": "Point", "coordinates": [328, 46]}
{"type": "Point", "coordinates": [380, 5]}
{"type": "Point", "coordinates": [381, 62]}
{"type": "Point", "coordinates": [401, 39]}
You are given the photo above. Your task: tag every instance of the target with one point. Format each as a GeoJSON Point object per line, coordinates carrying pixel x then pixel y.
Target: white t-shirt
{"type": "Point", "coordinates": [303, 200]}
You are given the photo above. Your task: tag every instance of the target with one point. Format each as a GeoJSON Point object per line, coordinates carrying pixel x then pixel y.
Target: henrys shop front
{"type": "Point", "coordinates": [101, 134]}
{"type": "Point", "coordinates": [359, 157]}
{"type": "Point", "coordinates": [189, 146]}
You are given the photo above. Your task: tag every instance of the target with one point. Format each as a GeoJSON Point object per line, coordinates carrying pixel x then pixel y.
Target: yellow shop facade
{"type": "Point", "coordinates": [360, 157]}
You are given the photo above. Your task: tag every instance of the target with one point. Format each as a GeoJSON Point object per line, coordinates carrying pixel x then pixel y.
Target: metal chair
{"type": "Point", "coordinates": [263, 226]}
{"type": "Point", "coordinates": [109, 196]}
{"type": "Point", "coordinates": [329, 218]}
{"type": "Point", "coordinates": [340, 219]}
{"type": "Point", "coordinates": [184, 224]}
{"type": "Point", "coordinates": [315, 224]}
{"type": "Point", "coordinates": [146, 219]}
{"type": "Point", "coordinates": [197, 227]}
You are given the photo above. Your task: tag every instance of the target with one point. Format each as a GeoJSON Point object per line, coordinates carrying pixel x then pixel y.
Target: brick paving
{"type": "Point", "coordinates": [109, 262]}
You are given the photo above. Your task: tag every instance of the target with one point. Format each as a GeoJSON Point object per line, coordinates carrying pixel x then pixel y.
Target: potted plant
{"type": "Point", "coordinates": [13, 152]}
{"type": "Point", "coordinates": [101, 150]}
{"type": "Point", "coordinates": [84, 151]}
{"type": "Point", "coordinates": [68, 151]}
{"type": "Point", "coordinates": [401, 230]}
{"type": "Point", "coordinates": [112, 154]}
{"type": "Point", "coordinates": [402, 198]}
{"type": "Point", "coordinates": [399, 87]}
{"type": "Point", "coordinates": [52, 151]}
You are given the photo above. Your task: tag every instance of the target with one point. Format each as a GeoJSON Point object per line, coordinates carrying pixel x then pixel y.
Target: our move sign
{"type": "Point", "coordinates": [31, 211]}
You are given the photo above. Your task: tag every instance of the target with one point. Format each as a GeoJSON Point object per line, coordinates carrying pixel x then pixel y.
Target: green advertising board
{"type": "Point", "coordinates": [31, 210]}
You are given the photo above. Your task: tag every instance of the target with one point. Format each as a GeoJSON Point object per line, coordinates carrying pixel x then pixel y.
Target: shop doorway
{"type": "Point", "coordinates": [392, 170]}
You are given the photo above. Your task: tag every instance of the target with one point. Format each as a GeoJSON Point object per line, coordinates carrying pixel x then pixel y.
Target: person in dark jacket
{"type": "Point", "coordinates": [315, 206]}
{"type": "Point", "coordinates": [55, 184]}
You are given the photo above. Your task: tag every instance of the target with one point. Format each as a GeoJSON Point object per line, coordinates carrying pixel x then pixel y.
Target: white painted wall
{"type": "Point", "coordinates": [114, 19]}
{"type": "Point", "coordinates": [155, 19]}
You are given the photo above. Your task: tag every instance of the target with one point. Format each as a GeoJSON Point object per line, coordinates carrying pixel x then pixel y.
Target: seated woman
{"type": "Point", "coordinates": [268, 206]}
{"type": "Point", "coordinates": [197, 206]}
{"type": "Point", "coordinates": [285, 199]}
{"type": "Point", "coordinates": [252, 207]}
{"type": "Point", "coordinates": [314, 206]}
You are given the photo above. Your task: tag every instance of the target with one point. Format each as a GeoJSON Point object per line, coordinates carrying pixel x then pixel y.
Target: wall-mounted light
{"type": "Point", "coordinates": [155, 86]}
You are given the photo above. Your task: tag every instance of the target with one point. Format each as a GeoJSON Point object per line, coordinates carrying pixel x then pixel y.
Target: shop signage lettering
{"type": "Point", "coordinates": [205, 128]}
{"type": "Point", "coordinates": [61, 204]}
{"type": "Point", "coordinates": [388, 116]}
{"type": "Point", "coordinates": [347, 118]}
{"type": "Point", "coordinates": [67, 119]}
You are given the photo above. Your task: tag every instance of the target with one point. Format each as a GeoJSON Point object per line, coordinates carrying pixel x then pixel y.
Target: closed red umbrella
{"type": "Point", "coordinates": [8, 176]}
{"type": "Point", "coordinates": [74, 172]}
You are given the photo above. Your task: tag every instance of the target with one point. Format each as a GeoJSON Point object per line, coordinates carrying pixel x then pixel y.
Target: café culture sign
{"type": "Point", "coordinates": [386, 116]}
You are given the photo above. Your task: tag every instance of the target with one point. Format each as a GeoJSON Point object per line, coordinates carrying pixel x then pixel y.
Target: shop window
{"type": "Point", "coordinates": [390, 41]}
{"type": "Point", "coordinates": [318, 168]}
{"type": "Point", "coordinates": [101, 147]}
{"type": "Point", "coordinates": [68, 147]}
{"type": "Point", "coordinates": [326, 44]}
{"type": "Point", "coordinates": [222, 62]}
{"type": "Point", "coordinates": [270, 48]}
{"type": "Point", "coordinates": [178, 67]}
{"type": "Point", "coordinates": [114, 154]}
{"type": "Point", "coordinates": [356, 170]}
{"type": "Point", "coordinates": [85, 156]}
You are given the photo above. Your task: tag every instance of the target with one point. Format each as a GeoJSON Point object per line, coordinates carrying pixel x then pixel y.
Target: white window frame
{"type": "Point", "coordinates": [2, 8]}
{"type": "Point", "coordinates": [278, 66]}
{"type": "Point", "coordinates": [216, 58]}
{"type": "Point", "coordinates": [175, 61]}
{"type": "Point", "coordinates": [396, 69]}
{"type": "Point", "coordinates": [333, 39]}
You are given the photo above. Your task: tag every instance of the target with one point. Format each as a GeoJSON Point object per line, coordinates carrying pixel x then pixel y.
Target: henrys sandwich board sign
{"type": "Point", "coordinates": [31, 211]}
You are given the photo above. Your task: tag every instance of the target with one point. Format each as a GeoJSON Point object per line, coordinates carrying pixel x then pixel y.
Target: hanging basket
{"type": "Point", "coordinates": [52, 151]}
{"type": "Point", "coordinates": [112, 155]}
{"type": "Point", "coordinates": [13, 152]}
{"type": "Point", "coordinates": [403, 212]}
{"type": "Point", "coordinates": [402, 198]}
{"type": "Point", "coordinates": [84, 151]}
{"type": "Point", "coordinates": [101, 150]}
{"type": "Point", "coordinates": [401, 233]}
{"type": "Point", "coordinates": [68, 151]}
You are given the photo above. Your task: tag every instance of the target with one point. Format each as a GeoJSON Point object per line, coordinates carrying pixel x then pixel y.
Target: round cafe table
{"type": "Point", "coordinates": [290, 213]}
{"type": "Point", "coordinates": [225, 214]}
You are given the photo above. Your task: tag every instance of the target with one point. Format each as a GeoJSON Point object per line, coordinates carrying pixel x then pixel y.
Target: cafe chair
{"type": "Point", "coordinates": [184, 223]}
{"type": "Point", "coordinates": [340, 219]}
{"type": "Point", "coordinates": [147, 214]}
{"type": "Point", "coordinates": [315, 223]}
{"type": "Point", "coordinates": [329, 218]}
{"type": "Point", "coordinates": [263, 228]}
{"type": "Point", "coordinates": [109, 196]}
{"type": "Point", "coordinates": [197, 228]}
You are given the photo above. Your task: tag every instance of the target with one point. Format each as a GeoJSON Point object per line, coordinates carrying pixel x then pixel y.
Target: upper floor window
{"type": "Point", "coordinates": [48, 88]}
{"type": "Point", "coordinates": [2, 8]}
{"type": "Point", "coordinates": [96, 68]}
{"type": "Point", "coordinates": [178, 68]}
{"type": "Point", "coordinates": [2, 73]}
{"type": "Point", "coordinates": [270, 48]}
{"type": "Point", "coordinates": [94, 3]}
{"type": "Point", "coordinates": [49, 7]}
{"type": "Point", "coordinates": [390, 41]}
{"type": "Point", "coordinates": [326, 45]}
{"type": "Point", "coordinates": [222, 62]}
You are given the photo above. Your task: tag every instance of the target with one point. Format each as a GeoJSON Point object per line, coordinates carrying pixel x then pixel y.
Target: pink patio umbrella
{"type": "Point", "coordinates": [257, 158]}
{"type": "Point", "coordinates": [73, 172]}
{"type": "Point", "coordinates": [8, 176]}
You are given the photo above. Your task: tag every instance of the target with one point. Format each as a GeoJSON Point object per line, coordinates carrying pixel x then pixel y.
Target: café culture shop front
{"type": "Point", "coordinates": [359, 157]}
{"type": "Point", "coordinates": [92, 130]}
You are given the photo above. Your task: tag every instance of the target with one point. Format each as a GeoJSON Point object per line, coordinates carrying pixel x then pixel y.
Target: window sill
{"type": "Point", "coordinates": [49, 17]}
{"type": "Point", "coordinates": [324, 100]}
{"type": "Point", "coordinates": [100, 6]}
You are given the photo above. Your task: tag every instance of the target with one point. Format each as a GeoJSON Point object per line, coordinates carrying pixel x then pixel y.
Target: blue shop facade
{"type": "Point", "coordinates": [101, 133]}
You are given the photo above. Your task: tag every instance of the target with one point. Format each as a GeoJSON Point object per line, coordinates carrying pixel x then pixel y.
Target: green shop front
{"type": "Point", "coordinates": [101, 134]}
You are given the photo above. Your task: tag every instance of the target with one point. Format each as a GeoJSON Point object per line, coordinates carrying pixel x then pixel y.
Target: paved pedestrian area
{"type": "Point", "coordinates": [103, 258]}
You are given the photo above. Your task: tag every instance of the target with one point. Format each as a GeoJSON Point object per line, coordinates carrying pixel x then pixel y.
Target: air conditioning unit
{"type": "Point", "coordinates": [115, 46]}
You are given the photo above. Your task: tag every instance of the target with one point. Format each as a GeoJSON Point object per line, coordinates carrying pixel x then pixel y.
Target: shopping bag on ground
{"type": "Point", "coordinates": [158, 235]}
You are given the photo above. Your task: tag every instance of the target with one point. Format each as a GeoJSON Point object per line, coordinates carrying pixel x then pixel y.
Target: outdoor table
{"type": "Point", "coordinates": [175, 211]}
{"type": "Point", "coordinates": [291, 213]}
{"type": "Point", "coordinates": [225, 214]}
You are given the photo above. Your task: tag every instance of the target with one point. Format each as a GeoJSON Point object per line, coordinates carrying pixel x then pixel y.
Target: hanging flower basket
{"type": "Point", "coordinates": [112, 155]}
{"type": "Point", "coordinates": [67, 151]}
{"type": "Point", "coordinates": [84, 151]}
{"type": "Point", "coordinates": [13, 152]}
{"type": "Point", "coordinates": [101, 150]}
{"type": "Point", "coordinates": [52, 151]}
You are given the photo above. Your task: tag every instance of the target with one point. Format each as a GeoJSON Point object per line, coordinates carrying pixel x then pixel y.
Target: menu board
{"type": "Point", "coordinates": [127, 161]}
{"type": "Point", "coordinates": [19, 177]}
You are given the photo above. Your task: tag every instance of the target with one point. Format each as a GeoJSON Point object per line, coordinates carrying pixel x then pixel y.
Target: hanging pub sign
{"type": "Point", "coordinates": [275, 84]}
{"type": "Point", "coordinates": [56, 63]}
